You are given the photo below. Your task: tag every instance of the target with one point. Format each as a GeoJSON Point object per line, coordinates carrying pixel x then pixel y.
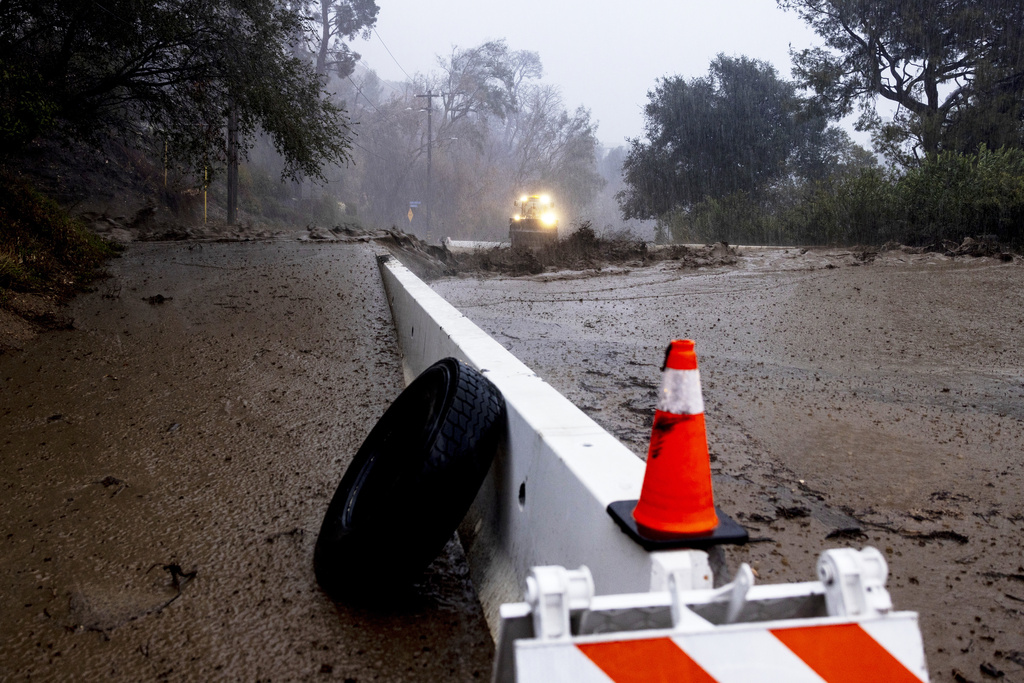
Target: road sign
{"type": "Point", "coordinates": [410, 215]}
{"type": "Point", "coordinates": [413, 205]}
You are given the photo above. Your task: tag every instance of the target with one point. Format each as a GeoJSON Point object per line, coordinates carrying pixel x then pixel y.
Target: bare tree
{"type": "Point", "coordinates": [497, 132]}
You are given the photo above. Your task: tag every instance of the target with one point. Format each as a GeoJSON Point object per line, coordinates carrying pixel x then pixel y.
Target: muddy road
{"type": "Point", "coordinates": [165, 465]}
{"type": "Point", "coordinates": [850, 400]}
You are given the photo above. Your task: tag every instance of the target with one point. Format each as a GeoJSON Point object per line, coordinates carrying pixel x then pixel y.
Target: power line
{"type": "Point", "coordinates": [373, 154]}
{"type": "Point", "coordinates": [112, 14]}
{"type": "Point", "coordinates": [388, 84]}
{"type": "Point", "coordinates": [386, 116]}
{"type": "Point", "coordinates": [392, 56]}
{"type": "Point", "coordinates": [359, 91]}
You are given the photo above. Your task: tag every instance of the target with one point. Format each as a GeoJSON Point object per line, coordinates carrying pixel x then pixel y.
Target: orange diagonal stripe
{"type": "Point", "coordinates": [844, 654]}
{"type": "Point", "coordinates": [651, 661]}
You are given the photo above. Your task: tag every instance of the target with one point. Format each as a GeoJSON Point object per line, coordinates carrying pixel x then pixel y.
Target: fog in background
{"type": "Point", "coordinates": [592, 63]}
{"type": "Point", "coordinates": [602, 55]}
{"type": "Point", "coordinates": [671, 121]}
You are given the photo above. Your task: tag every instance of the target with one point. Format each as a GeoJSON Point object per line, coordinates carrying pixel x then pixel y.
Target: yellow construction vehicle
{"type": "Point", "coordinates": [534, 223]}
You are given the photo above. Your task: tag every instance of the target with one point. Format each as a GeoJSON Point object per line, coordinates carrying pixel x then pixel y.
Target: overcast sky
{"type": "Point", "coordinates": [604, 55]}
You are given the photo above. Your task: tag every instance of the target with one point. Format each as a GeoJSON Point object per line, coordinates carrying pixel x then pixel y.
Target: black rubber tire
{"type": "Point", "coordinates": [411, 482]}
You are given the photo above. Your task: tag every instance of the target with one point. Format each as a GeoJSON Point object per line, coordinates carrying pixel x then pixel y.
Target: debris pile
{"type": "Point", "coordinates": [974, 247]}
{"type": "Point", "coordinates": [583, 249]}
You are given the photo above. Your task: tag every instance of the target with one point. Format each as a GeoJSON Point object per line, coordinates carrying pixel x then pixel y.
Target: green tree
{"type": "Point", "coordinates": [171, 69]}
{"type": "Point", "coordinates": [740, 129]}
{"type": "Point", "coordinates": [954, 67]}
{"type": "Point", "coordinates": [331, 24]}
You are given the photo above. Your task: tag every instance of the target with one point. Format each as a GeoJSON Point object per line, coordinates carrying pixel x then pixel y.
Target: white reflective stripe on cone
{"type": "Point", "coordinates": [680, 392]}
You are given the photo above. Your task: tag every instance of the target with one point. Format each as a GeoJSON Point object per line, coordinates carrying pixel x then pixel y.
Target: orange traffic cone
{"type": "Point", "coordinates": [676, 498]}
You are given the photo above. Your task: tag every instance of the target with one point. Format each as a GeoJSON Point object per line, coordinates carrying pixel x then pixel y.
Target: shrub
{"type": "Point", "coordinates": [954, 195]}
{"type": "Point", "coordinates": [737, 218]}
{"type": "Point", "coordinates": [949, 197]}
{"type": "Point", "coordinates": [41, 247]}
{"type": "Point", "coordinates": [858, 208]}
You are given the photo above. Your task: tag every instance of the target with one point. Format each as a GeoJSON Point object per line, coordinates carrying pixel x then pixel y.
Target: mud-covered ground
{"type": "Point", "coordinates": [165, 464]}
{"type": "Point", "coordinates": [852, 400]}
{"type": "Point", "coordinates": [166, 460]}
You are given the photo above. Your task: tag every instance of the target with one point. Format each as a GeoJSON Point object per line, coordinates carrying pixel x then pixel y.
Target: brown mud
{"type": "Point", "coordinates": [583, 250]}
{"type": "Point", "coordinates": [166, 457]}
{"type": "Point", "coordinates": [852, 398]}
{"type": "Point", "coordinates": [166, 463]}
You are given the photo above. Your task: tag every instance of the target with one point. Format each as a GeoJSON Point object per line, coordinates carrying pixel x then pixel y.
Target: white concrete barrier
{"type": "Point", "coordinates": [463, 246]}
{"type": "Point", "coordinates": [544, 501]}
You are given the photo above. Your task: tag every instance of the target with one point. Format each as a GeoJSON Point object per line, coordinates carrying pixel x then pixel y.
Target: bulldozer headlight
{"type": "Point", "coordinates": [549, 219]}
{"type": "Point", "coordinates": [516, 217]}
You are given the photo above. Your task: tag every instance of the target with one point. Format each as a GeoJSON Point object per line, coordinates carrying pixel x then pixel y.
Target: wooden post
{"type": "Point", "coordinates": [232, 163]}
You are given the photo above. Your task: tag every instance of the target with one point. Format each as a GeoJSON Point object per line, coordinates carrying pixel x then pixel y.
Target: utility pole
{"type": "Point", "coordinates": [430, 197]}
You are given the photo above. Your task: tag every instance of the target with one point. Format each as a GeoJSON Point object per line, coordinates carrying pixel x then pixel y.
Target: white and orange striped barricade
{"type": "Point", "coordinates": [838, 629]}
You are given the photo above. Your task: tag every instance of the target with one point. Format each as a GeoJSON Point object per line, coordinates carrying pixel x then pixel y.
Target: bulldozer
{"type": "Point", "coordinates": [534, 222]}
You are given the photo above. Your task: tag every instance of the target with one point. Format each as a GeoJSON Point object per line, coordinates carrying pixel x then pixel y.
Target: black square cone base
{"type": "Point", "coordinates": [727, 531]}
